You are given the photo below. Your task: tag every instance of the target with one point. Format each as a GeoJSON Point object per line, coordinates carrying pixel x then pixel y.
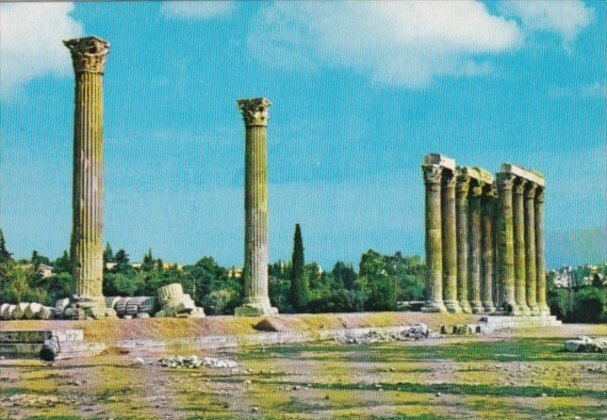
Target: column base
{"type": "Point", "coordinates": [453, 306]}
{"type": "Point", "coordinates": [477, 307]}
{"type": "Point", "coordinates": [434, 307]}
{"type": "Point", "coordinates": [488, 307]}
{"type": "Point", "coordinates": [255, 309]}
{"type": "Point", "coordinates": [544, 310]}
{"type": "Point", "coordinates": [534, 310]}
{"type": "Point", "coordinates": [465, 305]}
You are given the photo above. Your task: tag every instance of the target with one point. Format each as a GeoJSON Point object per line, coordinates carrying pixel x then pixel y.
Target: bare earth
{"type": "Point", "coordinates": [516, 374]}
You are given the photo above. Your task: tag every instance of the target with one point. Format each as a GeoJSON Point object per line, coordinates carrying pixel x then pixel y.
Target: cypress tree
{"type": "Point", "coordinates": [299, 280]}
{"type": "Point", "coordinates": [4, 254]}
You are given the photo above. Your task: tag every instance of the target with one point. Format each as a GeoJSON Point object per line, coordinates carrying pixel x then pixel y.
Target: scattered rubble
{"type": "Point", "coordinates": [587, 345]}
{"type": "Point", "coordinates": [25, 310]}
{"type": "Point", "coordinates": [461, 329]}
{"type": "Point", "coordinates": [175, 303]}
{"type": "Point", "coordinates": [415, 332]}
{"type": "Point", "coordinates": [193, 362]}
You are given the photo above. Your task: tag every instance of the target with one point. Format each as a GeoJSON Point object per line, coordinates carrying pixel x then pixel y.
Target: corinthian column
{"type": "Point", "coordinates": [88, 57]}
{"type": "Point", "coordinates": [434, 257]}
{"type": "Point", "coordinates": [539, 249]}
{"type": "Point", "coordinates": [520, 281]}
{"type": "Point", "coordinates": [530, 251]}
{"type": "Point", "coordinates": [474, 256]}
{"type": "Point", "coordinates": [256, 301]}
{"type": "Point", "coordinates": [461, 210]}
{"type": "Point", "coordinates": [449, 242]}
{"type": "Point", "coordinates": [506, 243]}
{"type": "Point", "coordinates": [487, 250]}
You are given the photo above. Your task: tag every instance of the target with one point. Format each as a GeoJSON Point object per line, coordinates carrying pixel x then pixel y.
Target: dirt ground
{"type": "Point", "coordinates": [517, 374]}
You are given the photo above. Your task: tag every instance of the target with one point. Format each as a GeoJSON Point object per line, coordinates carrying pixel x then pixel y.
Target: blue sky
{"type": "Point", "coordinates": [360, 92]}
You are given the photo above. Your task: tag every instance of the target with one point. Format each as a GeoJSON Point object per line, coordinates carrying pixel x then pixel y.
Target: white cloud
{"type": "Point", "coordinates": [30, 43]}
{"type": "Point", "coordinates": [405, 43]}
{"type": "Point", "coordinates": [196, 9]}
{"type": "Point", "coordinates": [592, 90]}
{"type": "Point", "coordinates": [566, 18]}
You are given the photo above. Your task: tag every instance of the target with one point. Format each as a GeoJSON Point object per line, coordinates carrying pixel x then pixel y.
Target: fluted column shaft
{"type": "Point", "coordinates": [88, 56]}
{"type": "Point", "coordinates": [433, 225]}
{"type": "Point", "coordinates": [497, 293]}
{"type": "Point", "coordinates": [256, 299]}
{"type": "Point", "coordinates": [539, 249]}
{"type": "Point", "coordinates": [506, 242]}
{"type": "Point", "coordinates": [520, 281]}
{"type": "Point", "coordinates": [474, 256]}
{"type": "Point", "coordinates": [449, 242]}
{"type": "Point", "coordinates": [487, 251]}
{"type": "Point", "coordinates": [461, 210]}
{"type": "Point", "coordinates": [530, 251]}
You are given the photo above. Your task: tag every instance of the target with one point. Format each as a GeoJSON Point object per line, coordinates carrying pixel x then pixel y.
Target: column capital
{"type": "Point", "coordinates": [505, 181]}
{"type": "Point", "coordinates": [520, 185]}
{"type": "Point", "coordinates": [432, 174]}
{"type": "Point", "coordinates": [477, 188]}
{"type": "Point", "coordinates": [463, 185]}
{"type": "Point", "coordinates": [531, 190]}
{"type": "Point", "coordinates": [88, 54]}
{"type": "Point", "coordinates": [539, 195]}
{"type": "Point", "coordinates": [449, 178]}
{"type": "Point", "coordinates": [490, 192]}
{"type": "Point", "coordinates": [255, 111]}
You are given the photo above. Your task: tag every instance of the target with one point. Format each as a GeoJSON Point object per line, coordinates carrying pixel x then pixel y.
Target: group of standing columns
{"type": "Point", "coordinates": [484, 245]}
{"type": "Point", "coordinates": [89, 57]}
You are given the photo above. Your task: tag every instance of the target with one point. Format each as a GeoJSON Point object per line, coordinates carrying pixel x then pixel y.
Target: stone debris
{"type": "Point", "coordinates": [175, 303]}
{"type": "Point", "coordinates": [461, 329]}
{"type": "Point", "coordinates": [131, 307]}
{"type": "Point", "coordinates": [415, 332]}
{"type": "Point", "coordinates": [587, 345]}
{"type": "Point", "coordinates": [25, 310]}
{"type": "Point", "coordinates": [194, 362]}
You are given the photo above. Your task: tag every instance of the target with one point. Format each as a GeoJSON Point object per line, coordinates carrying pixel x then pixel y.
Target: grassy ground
{"type": "Point", "coordinates": [522, 375]}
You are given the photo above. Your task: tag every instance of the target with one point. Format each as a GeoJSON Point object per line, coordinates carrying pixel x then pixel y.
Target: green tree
{"type": "Point", "coordinates": [299, 280]}
{"type": "Point", "coordinates": [63, 264]}
{"type": "Point", "coordinates": [108, 254]}
{"type": "Point", "coordinates": [148, 262]}
{"type": "Point", "coordinates": [38, 259]}
{"type": "Point", "coordinates": [4, 254]}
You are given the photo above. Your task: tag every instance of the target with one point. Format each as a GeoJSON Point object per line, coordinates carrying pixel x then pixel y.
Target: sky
{"type": "Point", "coordinates": [360, 92]}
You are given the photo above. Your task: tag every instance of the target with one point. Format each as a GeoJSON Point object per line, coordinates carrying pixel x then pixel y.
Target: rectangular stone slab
{"type": "Point", "coordinates": [441, 160]}
{"type": "Point", "coordinates": [476, 173]}
{"type": "Point", "coordinates": [521, 172]}
{"type": "Point", "coordinates": [40, 336]}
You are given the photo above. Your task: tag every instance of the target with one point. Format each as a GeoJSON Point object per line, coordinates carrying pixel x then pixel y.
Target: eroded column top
{"type": "Point", "coordinates": [440, 160]}
{"type": "Point", "coordinates": [88, 54]}
{"type": "Point", "coordinates": [524, 173]}
{"type": "Point", "coordinates": [255, 111]}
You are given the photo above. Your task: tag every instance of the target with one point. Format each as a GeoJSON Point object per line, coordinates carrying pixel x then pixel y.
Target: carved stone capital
{"type": "Point", "coordinates": [505, 181]}
{"type": "Point", "coordinates": [539, 195]}
{"type": "Point", "coordinates": [530, 191]}
{"type": "Point", "coordinates": [520, 185]}
{"type": "Point", "coordinates": [254, 111]}
{"type": "Point", "coordinates": [449, 179]}
{"type": "Point", "coordinates": [463, 185]}
{"type": "Point", "coordinates": [476, 189]}
{"type": "Point", "coordinates": [432, 174]}
{"type": "Point", "coordinates": [88, 54]}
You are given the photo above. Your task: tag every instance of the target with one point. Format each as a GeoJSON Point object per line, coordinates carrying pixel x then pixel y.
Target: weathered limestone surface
{"type": "Point", "coordinates": [434, 258]}
{"type": "Point", "coordinates": [461, 209]}
{"type": "Point", "coordinates": [256, 301]}
{"type": "Point", "coordinates": [88, 56]}
{"type": "Point", "coordinates": [474, 256]}
{"type": "Point", "coordinates": [530, 249]}
{"type": "Point", "coordinates": [506, 243]}
{"type": "Point", "coordinates": [449, 242]}
{"type": "Point", "coordinates": [518, 216]}
{"type": "Point", "coordinates": [539, 249]}
{"type": "Point", "coordinates": [487, 215]}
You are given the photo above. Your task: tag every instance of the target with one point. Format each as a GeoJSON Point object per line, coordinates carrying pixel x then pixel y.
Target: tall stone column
{"type": "Point", "coordinates": [256, 300]}
{"type": "Point", "coordinates": [474, 256]}
{"type": "Point", "coordinates": [434, 249]}
{"type": "Point", "coordinates": [518, 216]}
{"type": "Point", "coordinates": [449, 242]}
{"type": "Point", "coordinates": [506, 243]}
{"type": "Point", "coordinates": [88, 57]}
{"type": "Point", "coordinates": [539, 249]}
{"type": "Point", "coordinates": [487, 249]}
{"type": "Point", "coordinates": [497, 293]}
{"type": "Point", "coordinates": [461, 210]}
{"type": "Point", "coordinates": [530, 251]}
